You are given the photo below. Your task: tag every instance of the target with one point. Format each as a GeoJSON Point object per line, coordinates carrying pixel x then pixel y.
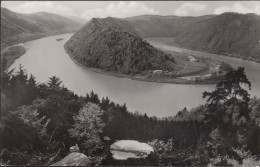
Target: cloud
{"type": "Point", "coordinates": [188, 8]}
{"type": "Point", "coordinates": [32, 6]}
{"type": "Point", "coordinates": [239, 8]}
{"type": "Point", "coordinates": [119, 9]}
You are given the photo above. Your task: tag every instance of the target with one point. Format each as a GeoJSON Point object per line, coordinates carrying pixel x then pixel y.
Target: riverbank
{"type": "Point", "coordinates": [227, 55]}
{"type": "Point", "coordinates": [46, 57]}
{"type": "Point", "coordinates": [12, 48]}
{"type": "Point", "coordinates": [10, 54]}
{"type": "Point", "coordinates": [170, 42]}
{"type": "Point", "coordinates": [26, 37]}
{"type": "Point", "coordinates": [143, 78]}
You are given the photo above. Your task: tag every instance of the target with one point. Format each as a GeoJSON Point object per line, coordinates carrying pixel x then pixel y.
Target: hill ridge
{"type": "Point", "coordinates": [18, 27]}
{"type": "Point", "coordinates": [111, 47]}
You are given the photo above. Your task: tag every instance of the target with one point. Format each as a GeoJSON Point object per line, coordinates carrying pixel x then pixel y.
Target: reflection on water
{"type": "Point", "coordinates": [46, 57]}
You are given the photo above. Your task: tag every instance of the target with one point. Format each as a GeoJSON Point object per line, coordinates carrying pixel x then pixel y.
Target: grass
{"type": "Point", "coordinates": [193, 67]}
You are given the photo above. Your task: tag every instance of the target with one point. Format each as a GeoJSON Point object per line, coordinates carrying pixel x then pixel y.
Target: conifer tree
{"type": "Point", "coordinates": [231, 93]}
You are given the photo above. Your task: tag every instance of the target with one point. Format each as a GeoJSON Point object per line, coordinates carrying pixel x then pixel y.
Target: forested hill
{"type": "Point", "coordinates": [229, 33]}
{"type": "Point", "coordinates": [163, 26]}
{"type": "Point", "coordinates": [40, 123]}
{"type": "Point", "coordinates": [114, 45]}
{"type": "Point", "coordinates": [17, 27]}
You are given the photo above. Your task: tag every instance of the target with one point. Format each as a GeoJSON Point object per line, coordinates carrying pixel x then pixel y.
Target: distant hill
{"type": "Point", "coordinates": [17, 27]}
{"type": "Point", "coordinates": [163, 26]}
{"type": "Point", "coordinates": [114, 45]}
{"type": "Point", "coordinates": [229, 33]}
{"type": "Point", "coordinates": [79, 20]}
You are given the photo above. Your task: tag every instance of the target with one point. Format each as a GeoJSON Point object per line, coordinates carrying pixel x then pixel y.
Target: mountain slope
{"type": "Point", "coordinates": [229, 33]}
{"type": "Point", "coordinates": [163, 26]}
{"type": "Point", "coordinates": [77, 19]}
{"type": "Point", "coordinates": [17, 27]}
{"type": "Point", "coordinates": [114, 45]}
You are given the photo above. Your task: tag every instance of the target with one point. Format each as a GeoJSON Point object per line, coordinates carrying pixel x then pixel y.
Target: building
{"type": "Point", "coordinates": [157, 72]}
{"type": "Point", "coordinates": [192, 59]}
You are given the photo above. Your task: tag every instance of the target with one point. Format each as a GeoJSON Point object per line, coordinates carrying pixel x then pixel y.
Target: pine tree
{"type": "Point", "coordinates": [54, 82]}
{"type": "Point", "coordinates": [21, 75]}
{"type": "Point", "coordinates": [230, 92]}
{"type": "Point", "coordinates": [32, 82]}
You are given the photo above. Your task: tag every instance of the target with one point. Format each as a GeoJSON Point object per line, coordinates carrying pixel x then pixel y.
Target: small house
{"type": "Point", "coordinates": [158, 72]}
{"type": "Point", "coordinates": [192, 59]}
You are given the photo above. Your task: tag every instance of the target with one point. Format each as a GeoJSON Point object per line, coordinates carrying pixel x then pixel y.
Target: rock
{"type": "Point", "coordinates": [124, 149]}
{"type": "Point", "coordinates": [74, 148]}
{"type": "Point", "coordinates": [106, 138]}
{"type": "Point", "coordinates": [73, 159]}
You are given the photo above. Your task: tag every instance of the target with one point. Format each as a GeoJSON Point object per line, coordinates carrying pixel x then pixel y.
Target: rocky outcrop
{"type": "Point", "coordinates": [74, 159]}
{"type": "Point", "coordinates": [124, 149]}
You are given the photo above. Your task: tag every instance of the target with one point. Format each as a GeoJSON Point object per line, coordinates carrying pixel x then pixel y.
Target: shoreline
{"type": "Point", "coordinates": [11, 54]}
{"type": "Point", "coordinates": [205, 51]}
{"type": "Point", "coordinates": [138, 78]}
{"type": "Point", "coordinates": [155, 80]}
{"type": "Point", "coordinates": [27, 37]}
{"type": "Point", "coordinates": [32, 37]}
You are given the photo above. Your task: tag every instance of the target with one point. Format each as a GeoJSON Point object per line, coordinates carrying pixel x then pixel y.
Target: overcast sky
{"type": "Point", "coordinates": [90, 9]}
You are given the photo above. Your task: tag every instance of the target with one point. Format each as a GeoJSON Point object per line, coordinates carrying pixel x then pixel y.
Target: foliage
{"type": "Point", "coordinates": [244, 157]}
{"type": "Point", "coordinates": [30, 117]}
{"type": "Point", "coordinates": [21, 142]}
{"type": "Point", "coordinates": [30, 110]}
{"type": "Point", "coordinates": [231, 93]}
{"type": "Point", "coordinates": [88, 128]}
{"type": "Point", "coordinates": [125, 52]}
{"type": "Point", "coordinates": [18, 88]}
{"type": "Point", "coordinates": [168, 155]}
{"type": "Point", "coordinates": [164, 151]}
{"type": "Point", "coordinates": [54, 82]}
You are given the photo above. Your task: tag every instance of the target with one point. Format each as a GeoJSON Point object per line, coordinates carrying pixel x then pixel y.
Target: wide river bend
{"type": "Point", "coordinates": [46, 57]}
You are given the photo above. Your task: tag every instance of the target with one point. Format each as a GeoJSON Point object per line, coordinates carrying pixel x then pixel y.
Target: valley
{"type": "Point", "coordinates": [138, 95]}
{"type": "Point", "coordinates": [220, 34]}
{"type": "Point", "coordinates": [19, 28]}
{"type": "Point", "coordinates": [188, 72]}
{"type": "Point", "coordinates": [194, 68]}
{"type": "Point", "coordinates": [141, 90]}
{"type": "Point", "coordinates": [112, 46]}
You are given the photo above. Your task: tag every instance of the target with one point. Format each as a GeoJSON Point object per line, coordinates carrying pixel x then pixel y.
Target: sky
{"type": "Point", "coordinates": [122, 9]}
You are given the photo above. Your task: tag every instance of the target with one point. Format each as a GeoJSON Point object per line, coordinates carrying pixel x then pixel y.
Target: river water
{"type": "Point", "coordinates": [46, 57]}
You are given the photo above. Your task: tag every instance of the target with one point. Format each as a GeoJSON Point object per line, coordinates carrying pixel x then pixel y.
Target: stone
{"type": "Point", "coordinates": [74, 159]}
{"type": "Point", "coordinates": [124, 149]}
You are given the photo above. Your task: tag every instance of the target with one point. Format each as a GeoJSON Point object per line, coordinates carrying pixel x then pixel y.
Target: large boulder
{"type": "Point", "coordinates": [73, 159]}
{"type": "Point", "coordinates": [124, 149]}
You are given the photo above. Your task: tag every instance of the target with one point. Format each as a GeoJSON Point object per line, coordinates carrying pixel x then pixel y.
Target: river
{"type": "Point", "coordinates": [46, 57]}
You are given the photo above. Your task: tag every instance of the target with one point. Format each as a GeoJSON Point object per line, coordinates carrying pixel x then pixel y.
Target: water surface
{"type": "Point", "coordinates": [46, 57]}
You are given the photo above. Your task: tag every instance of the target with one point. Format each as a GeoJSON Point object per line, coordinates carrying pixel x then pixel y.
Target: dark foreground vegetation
{"type": "Point", "coordinates": [40, 122]}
